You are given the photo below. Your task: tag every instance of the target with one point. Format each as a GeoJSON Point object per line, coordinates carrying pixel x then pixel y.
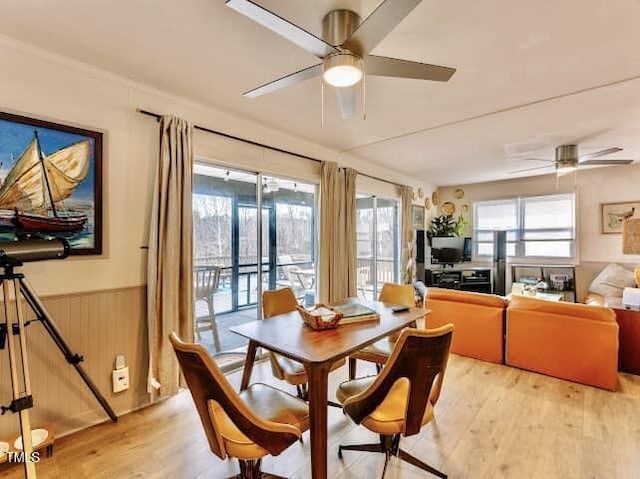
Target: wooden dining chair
{"type": "Point", "coordinates": [248, 426]}
{"type": "Point", "coordinates": [281, 301]}
{"type": "Point", "coordinates": [206, 281]}
{"type": "Point", "coordinates": [378, 352]}
{"type": "Point", "coordinates": [400, 400]}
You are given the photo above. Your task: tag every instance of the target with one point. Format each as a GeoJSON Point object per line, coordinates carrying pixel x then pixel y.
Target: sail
{"type": "Point", "coordinates": [25, 186]}
{"type": "Point", "coordinates": [66, 168]}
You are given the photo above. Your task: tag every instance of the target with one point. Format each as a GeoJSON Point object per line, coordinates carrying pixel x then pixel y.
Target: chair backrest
{"type": "Point", "coordinates": [421, 357]}
{"type": "Point", "coordinates": [208, 386]}
{"type": "Point", "coordinates": [402, 294]}
{"type": "Point", "coordinates": [206, 280]}
{"type": "Point", "coordinates": [278, 301]}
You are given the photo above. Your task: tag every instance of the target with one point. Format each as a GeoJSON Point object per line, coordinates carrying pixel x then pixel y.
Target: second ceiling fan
{"type": "Point", "coordinates": [344, 49]}
{"type": "Point", "coordinates": [568, 160]}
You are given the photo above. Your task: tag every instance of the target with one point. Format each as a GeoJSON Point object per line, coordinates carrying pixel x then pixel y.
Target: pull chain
{"type": "Point", "coordinates": [364, 94]}
{"type": "Point", "coordinates": [322, 99]}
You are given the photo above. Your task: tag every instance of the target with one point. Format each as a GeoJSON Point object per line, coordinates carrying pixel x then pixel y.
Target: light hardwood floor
{"type": "Point", "coordinates": [491, 422]}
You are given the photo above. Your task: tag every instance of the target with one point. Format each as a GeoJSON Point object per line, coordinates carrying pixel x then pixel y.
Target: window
{"type": "Point", "coordinates": [377, 230]}
{"type": "Point", "coordinates": [537, 227]}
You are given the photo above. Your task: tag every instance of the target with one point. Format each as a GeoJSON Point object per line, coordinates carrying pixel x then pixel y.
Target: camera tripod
{"type": "Point", "coordinates": [14, 287]}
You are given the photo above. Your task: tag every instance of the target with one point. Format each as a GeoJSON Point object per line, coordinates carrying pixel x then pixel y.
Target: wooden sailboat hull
{"type": "Point", "coordinates": [48, 224]}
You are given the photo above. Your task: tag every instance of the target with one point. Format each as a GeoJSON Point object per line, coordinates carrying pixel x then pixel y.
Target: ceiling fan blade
{"type": "Point", "coordinates": [605, 162]}
{"type": "Point", "coordinates": [540, 159]}
{"type": "Point", "coordinates": [529, 169]}
{"type": "Point", "coordinates": [600, 153]}
{"type": "Point", "coordinates": [283, 27]}
{"type": "Point", "coordinates": [347, 99]}
{"type": "Point", "coordinates": [378, 25]}
{"type": "Point", "coordinates": [395, 67]}
{"type": "Point", "coordinates": [297, 77]}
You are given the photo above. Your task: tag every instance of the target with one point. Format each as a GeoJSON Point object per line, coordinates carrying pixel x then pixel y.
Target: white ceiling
{"type": "Point", "coordinates": [510, 56]}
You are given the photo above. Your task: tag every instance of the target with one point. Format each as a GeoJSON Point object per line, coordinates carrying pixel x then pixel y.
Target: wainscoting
{"type": "Point", "coordinates": [98, 325]}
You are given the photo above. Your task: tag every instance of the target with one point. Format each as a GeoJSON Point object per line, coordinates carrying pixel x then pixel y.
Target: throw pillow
{"type": "Point", "coordinates": [637, 273]}
{"type": "Point", "coordinates": [612, 280]}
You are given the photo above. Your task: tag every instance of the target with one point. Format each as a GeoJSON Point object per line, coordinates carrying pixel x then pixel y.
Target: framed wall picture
{"type": "Point", "coordinates": [51, 182]}
{"type": "Point", "coordinates": [613, 215]}
{"type": "Point", "coordinates": [417, 217]}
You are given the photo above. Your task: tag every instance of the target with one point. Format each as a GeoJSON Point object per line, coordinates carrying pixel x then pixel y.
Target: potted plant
{"type": "Point", "coordinates": [447, 225]}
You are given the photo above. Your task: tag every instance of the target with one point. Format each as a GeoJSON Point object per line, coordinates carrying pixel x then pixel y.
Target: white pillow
{"type": "Point", "coordinates": [612, 280]}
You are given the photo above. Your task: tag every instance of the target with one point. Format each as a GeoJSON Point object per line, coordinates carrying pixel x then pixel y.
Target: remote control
{"type": "Point", "coordinates": [400, 309]}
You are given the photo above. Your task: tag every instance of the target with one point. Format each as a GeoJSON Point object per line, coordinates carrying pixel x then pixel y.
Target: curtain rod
{"type": "Point", "coordinates": [157, 116]}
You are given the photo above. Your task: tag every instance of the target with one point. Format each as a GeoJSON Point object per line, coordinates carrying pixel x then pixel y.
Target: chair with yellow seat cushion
{"type": "Point", "coordinates": [274, 303]}
{"type": "Point", "coordinates": [378, 352]}
{"type": "Point", "coordinates": [248, 426]}
{"type": "Point", "coordinates": [400, 400]}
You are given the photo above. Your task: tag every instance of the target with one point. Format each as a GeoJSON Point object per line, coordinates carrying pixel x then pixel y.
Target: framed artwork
{"type": "Point", "coordinates": [613, 215]}
{"type": "Point", "coordinates": [51, 182]}
{"type": "Point", "coordinates": [417, 217]}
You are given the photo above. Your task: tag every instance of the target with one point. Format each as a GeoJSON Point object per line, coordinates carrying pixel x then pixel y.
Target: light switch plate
{"type": "Point", "coordinates": [120, 379]}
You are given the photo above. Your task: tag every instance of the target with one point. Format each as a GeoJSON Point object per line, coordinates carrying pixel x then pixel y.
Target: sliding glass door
{"type": "Point", "coordinates": [231, 268]}
{"type": "Point", "coordinates": [377, 231]}
{"type": "Point", "coordinates": [292, 237]}
{"type": "Point", "coordinates": [225, 227]}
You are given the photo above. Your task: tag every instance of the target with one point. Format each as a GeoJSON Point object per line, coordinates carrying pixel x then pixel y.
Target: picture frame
{"type": "Point", "coordinates": [613, 214]}
{"type": "Point", "coordinates": [417, 217]}
{"type": "Point", "coordinates": [51, 182]}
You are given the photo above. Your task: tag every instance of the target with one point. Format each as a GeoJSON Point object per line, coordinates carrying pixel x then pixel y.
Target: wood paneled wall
{"type": "Point", "coordinates": [98, 325]}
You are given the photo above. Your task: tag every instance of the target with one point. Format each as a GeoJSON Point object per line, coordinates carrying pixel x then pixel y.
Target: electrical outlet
{"type": "Point", "coordinates": [120, 379]}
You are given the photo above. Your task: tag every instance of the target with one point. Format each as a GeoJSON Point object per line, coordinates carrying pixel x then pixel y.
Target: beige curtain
{"type": "Point", "coordinates": [337, 233]}
{"type": "Point", "coordinates": [407, 236]}
{"type": "Point", "coordinates": [169, 273]}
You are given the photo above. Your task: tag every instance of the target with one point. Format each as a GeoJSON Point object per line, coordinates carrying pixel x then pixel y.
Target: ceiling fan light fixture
{"type": "Point", "coordinates": [342, 70]}
{"type": "Point", "coordinates": [565, 169]}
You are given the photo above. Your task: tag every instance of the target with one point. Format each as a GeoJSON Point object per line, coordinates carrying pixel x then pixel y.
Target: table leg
{"type": "Point", "coordinates": [248, 365]}
{"type": "Point", "coordinates": [318, 374]}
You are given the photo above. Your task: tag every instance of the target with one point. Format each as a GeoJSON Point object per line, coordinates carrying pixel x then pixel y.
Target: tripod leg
{"type": "Point", "coordinates": [19, 397]}
{"type": "Point", "coordinates": [73, 359]}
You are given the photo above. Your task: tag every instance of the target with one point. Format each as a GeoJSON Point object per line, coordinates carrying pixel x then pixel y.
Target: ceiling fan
{"type": "Point", "coordinates": [568, 160]}
{"type": "Point", "coordinates": [344, 49]}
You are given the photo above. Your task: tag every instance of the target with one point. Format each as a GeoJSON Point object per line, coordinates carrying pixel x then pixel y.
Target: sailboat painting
{"type": "Point", "coordinates": [51, 182]}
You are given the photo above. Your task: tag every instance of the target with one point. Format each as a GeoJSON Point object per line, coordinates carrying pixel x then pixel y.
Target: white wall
{"type": "Point", "coordinates": [593, 187]}
{"type": "Point", "coordinates": [40, 84]}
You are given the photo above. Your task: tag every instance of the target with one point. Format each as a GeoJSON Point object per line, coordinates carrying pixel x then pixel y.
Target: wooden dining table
{"type": "Point", "coordinates": [287, 335]}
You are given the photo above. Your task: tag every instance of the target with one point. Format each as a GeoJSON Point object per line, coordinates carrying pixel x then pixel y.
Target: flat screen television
{"type": "Point", "coordinates": [449, 249]}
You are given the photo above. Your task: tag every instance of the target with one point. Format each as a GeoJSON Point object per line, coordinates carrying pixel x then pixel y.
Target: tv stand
{"type": "Point", "coordinates": [461, 277]}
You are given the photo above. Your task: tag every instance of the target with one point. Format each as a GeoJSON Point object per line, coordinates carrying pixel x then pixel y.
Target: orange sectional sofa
{"type": "Point", "coordinates": [565, 340]}
{"type": "Point", "coordinates": [478, 320]}
{"type": "Point", "coordinates": [569, 341]}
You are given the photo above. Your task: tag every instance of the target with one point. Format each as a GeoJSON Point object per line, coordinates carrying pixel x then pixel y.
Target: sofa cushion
{"type": "Point", "coordinates": [467, 297]}
{"type": "Point", "coordinates": [561, 308]}
{"type": "Point", "coordinates": [478, 321]}
{"type": "Point", "coordinates": [612, 280]}
{"type": "Point", "coordinates": [593, 299]}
